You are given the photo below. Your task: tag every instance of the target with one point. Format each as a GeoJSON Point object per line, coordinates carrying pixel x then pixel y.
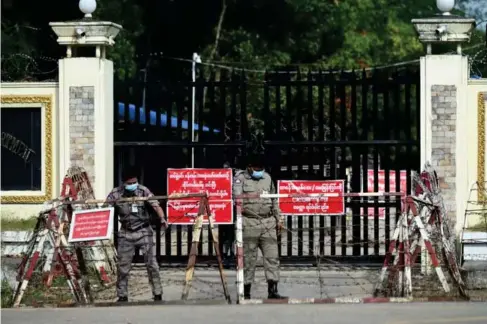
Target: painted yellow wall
{"type": "Point", "coordinates": [476, 142]}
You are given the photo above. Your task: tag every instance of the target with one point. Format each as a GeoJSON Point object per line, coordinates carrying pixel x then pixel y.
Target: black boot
{"type": "Point", "coordinates": [247, 291]}
{"type": "Point", "coordinates": [157, 297]}
{"type": "Point", "coordinates": [122, 299]}
{"type": "Point", "coordinates": [272, 290]}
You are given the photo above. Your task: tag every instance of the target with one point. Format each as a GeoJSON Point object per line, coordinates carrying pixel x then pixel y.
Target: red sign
{"type": "Point", "coordinates": [217, 183]}
{"type": "Point", "coordinates": [334, 204]}
{"type": "Point", "coordinates": [382, 186]}
{"type": "Point", "coordinates": [91, 225]}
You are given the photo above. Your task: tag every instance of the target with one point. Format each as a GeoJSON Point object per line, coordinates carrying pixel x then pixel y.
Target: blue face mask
{"type": "Point", "coordinates": [131, 187]}
{"type": "Point", "coordinates": [257, 174]}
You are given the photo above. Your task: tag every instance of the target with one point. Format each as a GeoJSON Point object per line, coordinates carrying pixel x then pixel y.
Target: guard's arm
{"type": "Point", "coordinates": [111, 196]}
{"type": "Point", "coordinates": [155, 204]}
{"type": "Point", "coordinates": [275, 205]}
{"type": "Point", "coordinates": [237, 188]}
{"type": "Point", "coordinates": [237, 185]}
{"type": "Point", "coordinates": [275, 208]}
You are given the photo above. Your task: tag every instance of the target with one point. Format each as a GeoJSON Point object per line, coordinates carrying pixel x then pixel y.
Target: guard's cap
{"type": "Point", "coordinates": [130, 172]}
{"type": "Point", "coordinates": [256, 160]}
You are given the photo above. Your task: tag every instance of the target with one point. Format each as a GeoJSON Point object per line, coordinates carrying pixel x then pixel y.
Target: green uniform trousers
{"type": "Point", "coordinates": [127, 242]}
{"type": "Point", "coordinates": [260, 233]}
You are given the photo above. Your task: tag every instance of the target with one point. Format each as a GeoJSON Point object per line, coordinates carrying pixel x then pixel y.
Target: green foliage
{"type": "Point", "coordinates": [127, 13]}
{"type": "Point", "coordinates": [7, 294]}
{"type": "Point", "coordinates": [16, 50]}
{"type": "Point", "coordinates": [251, 34]}
{"type": "Point", "coordinates": [14, 224]}
{"type": "Point", "coordinates": [328, 34]}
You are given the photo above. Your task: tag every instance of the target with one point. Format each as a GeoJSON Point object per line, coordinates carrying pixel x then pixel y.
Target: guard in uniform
{"type": "Point", "coordinates": [261, 222]}
{"type": "Point", "coordinates": [136, 231]}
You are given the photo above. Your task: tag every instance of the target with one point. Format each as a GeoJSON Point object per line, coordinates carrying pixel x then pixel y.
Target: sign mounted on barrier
{"type": "Point", "coordinates": [382, 187]}
{"type": "Point", "coordinates": [217, 183]}
{"type": "Point", "coordinates": [91, 225]}
{"type": "Point", "coordinates": [328, 197]}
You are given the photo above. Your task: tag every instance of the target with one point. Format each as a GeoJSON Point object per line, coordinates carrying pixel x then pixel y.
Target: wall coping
{"type": "Point", "coordinates": [477, 81]}
{"type": "Point", "coordinates": [27, 84]}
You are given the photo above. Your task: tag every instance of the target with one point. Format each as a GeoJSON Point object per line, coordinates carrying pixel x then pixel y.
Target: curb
{"type": "Point", "coordinates": [352, 300]}
{"type": "Point", "coordinates": [289, 301]}
{"type": "Point", "coordinates": [134, 303]}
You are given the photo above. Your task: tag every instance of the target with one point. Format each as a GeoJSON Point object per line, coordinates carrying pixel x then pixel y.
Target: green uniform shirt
{"type": "Point", "coordinates": [243, 183]}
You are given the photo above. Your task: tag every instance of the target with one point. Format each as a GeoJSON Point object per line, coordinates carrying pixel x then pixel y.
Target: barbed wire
{"type": "Point", "coordinates": [25, 67]}
{"type": "Point", "coordinates": [476, 61]}
{"type": "Point", "coordinates": [228, 65]}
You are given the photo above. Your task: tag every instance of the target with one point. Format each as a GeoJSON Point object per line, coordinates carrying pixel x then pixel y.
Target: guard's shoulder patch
{"type": "Point", "coordinates": [239, 173]}
{"type": "Point", "coordinates": [239, 176]}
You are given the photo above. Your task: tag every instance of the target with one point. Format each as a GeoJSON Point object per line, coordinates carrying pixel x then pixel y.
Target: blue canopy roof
{"type": "Point", "coordinates": [152, 116]}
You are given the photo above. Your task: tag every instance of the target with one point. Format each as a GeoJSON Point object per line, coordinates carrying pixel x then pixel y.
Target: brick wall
{"type": "Point", "coordinates": [443, 142]}
{"type": "Point", "coordinates": [82, 128]}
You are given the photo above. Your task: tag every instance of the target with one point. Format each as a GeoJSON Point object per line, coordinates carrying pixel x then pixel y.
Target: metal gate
{"type": "Point", "coordinates": [314, 126]}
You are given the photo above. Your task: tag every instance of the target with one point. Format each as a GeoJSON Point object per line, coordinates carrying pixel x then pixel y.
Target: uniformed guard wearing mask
{"type": "Point", "coordinates": [261, 221]}
{"type": "Point", "coordinates": [136, 231]}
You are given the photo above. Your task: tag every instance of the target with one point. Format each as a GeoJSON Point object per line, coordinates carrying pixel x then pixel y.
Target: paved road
{"type": "Point", "coordinates": [416, 313]}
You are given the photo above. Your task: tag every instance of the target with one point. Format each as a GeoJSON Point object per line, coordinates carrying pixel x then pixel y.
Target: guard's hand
{"type": "Point", "coordinates": [280, 225]}
{"type": "Point", "coordinates": [163, 224]}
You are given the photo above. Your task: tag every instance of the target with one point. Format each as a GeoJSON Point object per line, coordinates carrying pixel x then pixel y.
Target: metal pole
{"type": "Point", "coordinates": [196, 59]}
{"type": "Point", "coordinates": [144, 89]}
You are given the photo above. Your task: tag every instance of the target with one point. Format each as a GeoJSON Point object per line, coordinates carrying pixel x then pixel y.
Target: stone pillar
{"type": "Point", "coordinates": [443, 108]}
{"type": "Point", "coordinates": [86, 100]}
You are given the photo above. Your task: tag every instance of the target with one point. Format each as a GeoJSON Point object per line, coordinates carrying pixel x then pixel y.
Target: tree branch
{"type": "Point", "coordinates": [218, 30]}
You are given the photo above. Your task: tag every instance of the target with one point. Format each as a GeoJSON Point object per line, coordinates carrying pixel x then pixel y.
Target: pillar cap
{"type": "Point", "coordinates": [86, 32]}
{"type": "Point", "coordinates": [444, 29]}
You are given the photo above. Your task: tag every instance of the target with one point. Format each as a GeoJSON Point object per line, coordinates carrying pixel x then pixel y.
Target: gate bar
{"type": "Point", "coordinates": [315, 195]}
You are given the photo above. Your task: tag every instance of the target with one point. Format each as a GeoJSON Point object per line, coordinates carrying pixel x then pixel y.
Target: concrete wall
{"type": "Point", "coordinates": [24, 204]}
{"type": "Point", "coordinates": [77, 129]}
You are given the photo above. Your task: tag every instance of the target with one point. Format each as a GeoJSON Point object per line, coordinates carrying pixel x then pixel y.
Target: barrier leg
{"type": "Point", "coordinates": [387, 259]}
{"type": "Point", "coordinates": [79, 290]}
{"type": "Point", "coordinates": [192, 257]}
{"type": "Point", "coordinates": [408, 289]}
{"type": "Point", "coordinates": [22, 286]}
{"type": "Point", "coordinates": [50, 261]}
{"type": "Point", "coordinates": [214, 235]}
{"type": "Point", "coordinates": [432, 253]}
{"type": "Point", "coordinates": [240, 255]}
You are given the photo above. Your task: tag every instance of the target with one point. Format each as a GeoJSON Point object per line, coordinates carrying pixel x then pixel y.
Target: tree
{"type": "Point", "coordinates": [250, 34]}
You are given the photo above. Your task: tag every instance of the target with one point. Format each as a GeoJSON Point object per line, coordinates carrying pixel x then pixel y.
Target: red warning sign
{"type": "Point", "coordinates": [331, 203]}
{"type": "Point", "coordinates": [217, 183]}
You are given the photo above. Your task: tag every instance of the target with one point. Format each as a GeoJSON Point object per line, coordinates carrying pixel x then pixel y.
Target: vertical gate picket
{"type": "Point", "coordinates": [376, 128]}
{"type": "Point", "coordinates": [365, 161]}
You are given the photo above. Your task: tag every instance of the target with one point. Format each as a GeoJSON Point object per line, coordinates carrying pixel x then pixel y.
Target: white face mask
{"type": "Point", "coordinates": [131, 187]}
{"type": "Point", "coordinates": [257, 174]}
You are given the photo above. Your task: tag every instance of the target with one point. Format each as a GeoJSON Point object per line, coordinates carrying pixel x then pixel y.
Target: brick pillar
{"type": "Point", "coordinates": [443, 141]}
{"type": "Point", "coordinates": [86, 104]}
{"type": "Point", "coordinates": [82, 128]}
{"type": "Point", "coordinates": [444, 125]}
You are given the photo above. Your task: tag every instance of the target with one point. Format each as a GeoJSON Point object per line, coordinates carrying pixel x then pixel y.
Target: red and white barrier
{"type": "Point", "coordinates": [324, 195]}
{"type": "Point", "coordinates": [240, 251]}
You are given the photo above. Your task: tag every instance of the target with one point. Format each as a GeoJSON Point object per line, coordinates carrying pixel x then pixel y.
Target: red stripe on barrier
{"type": "Point", "coordinates": [431, 250]}
{"type": "Point", "coordinates": [104, 275]}
{"type": "Point", "coordinates": [32, 265]}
